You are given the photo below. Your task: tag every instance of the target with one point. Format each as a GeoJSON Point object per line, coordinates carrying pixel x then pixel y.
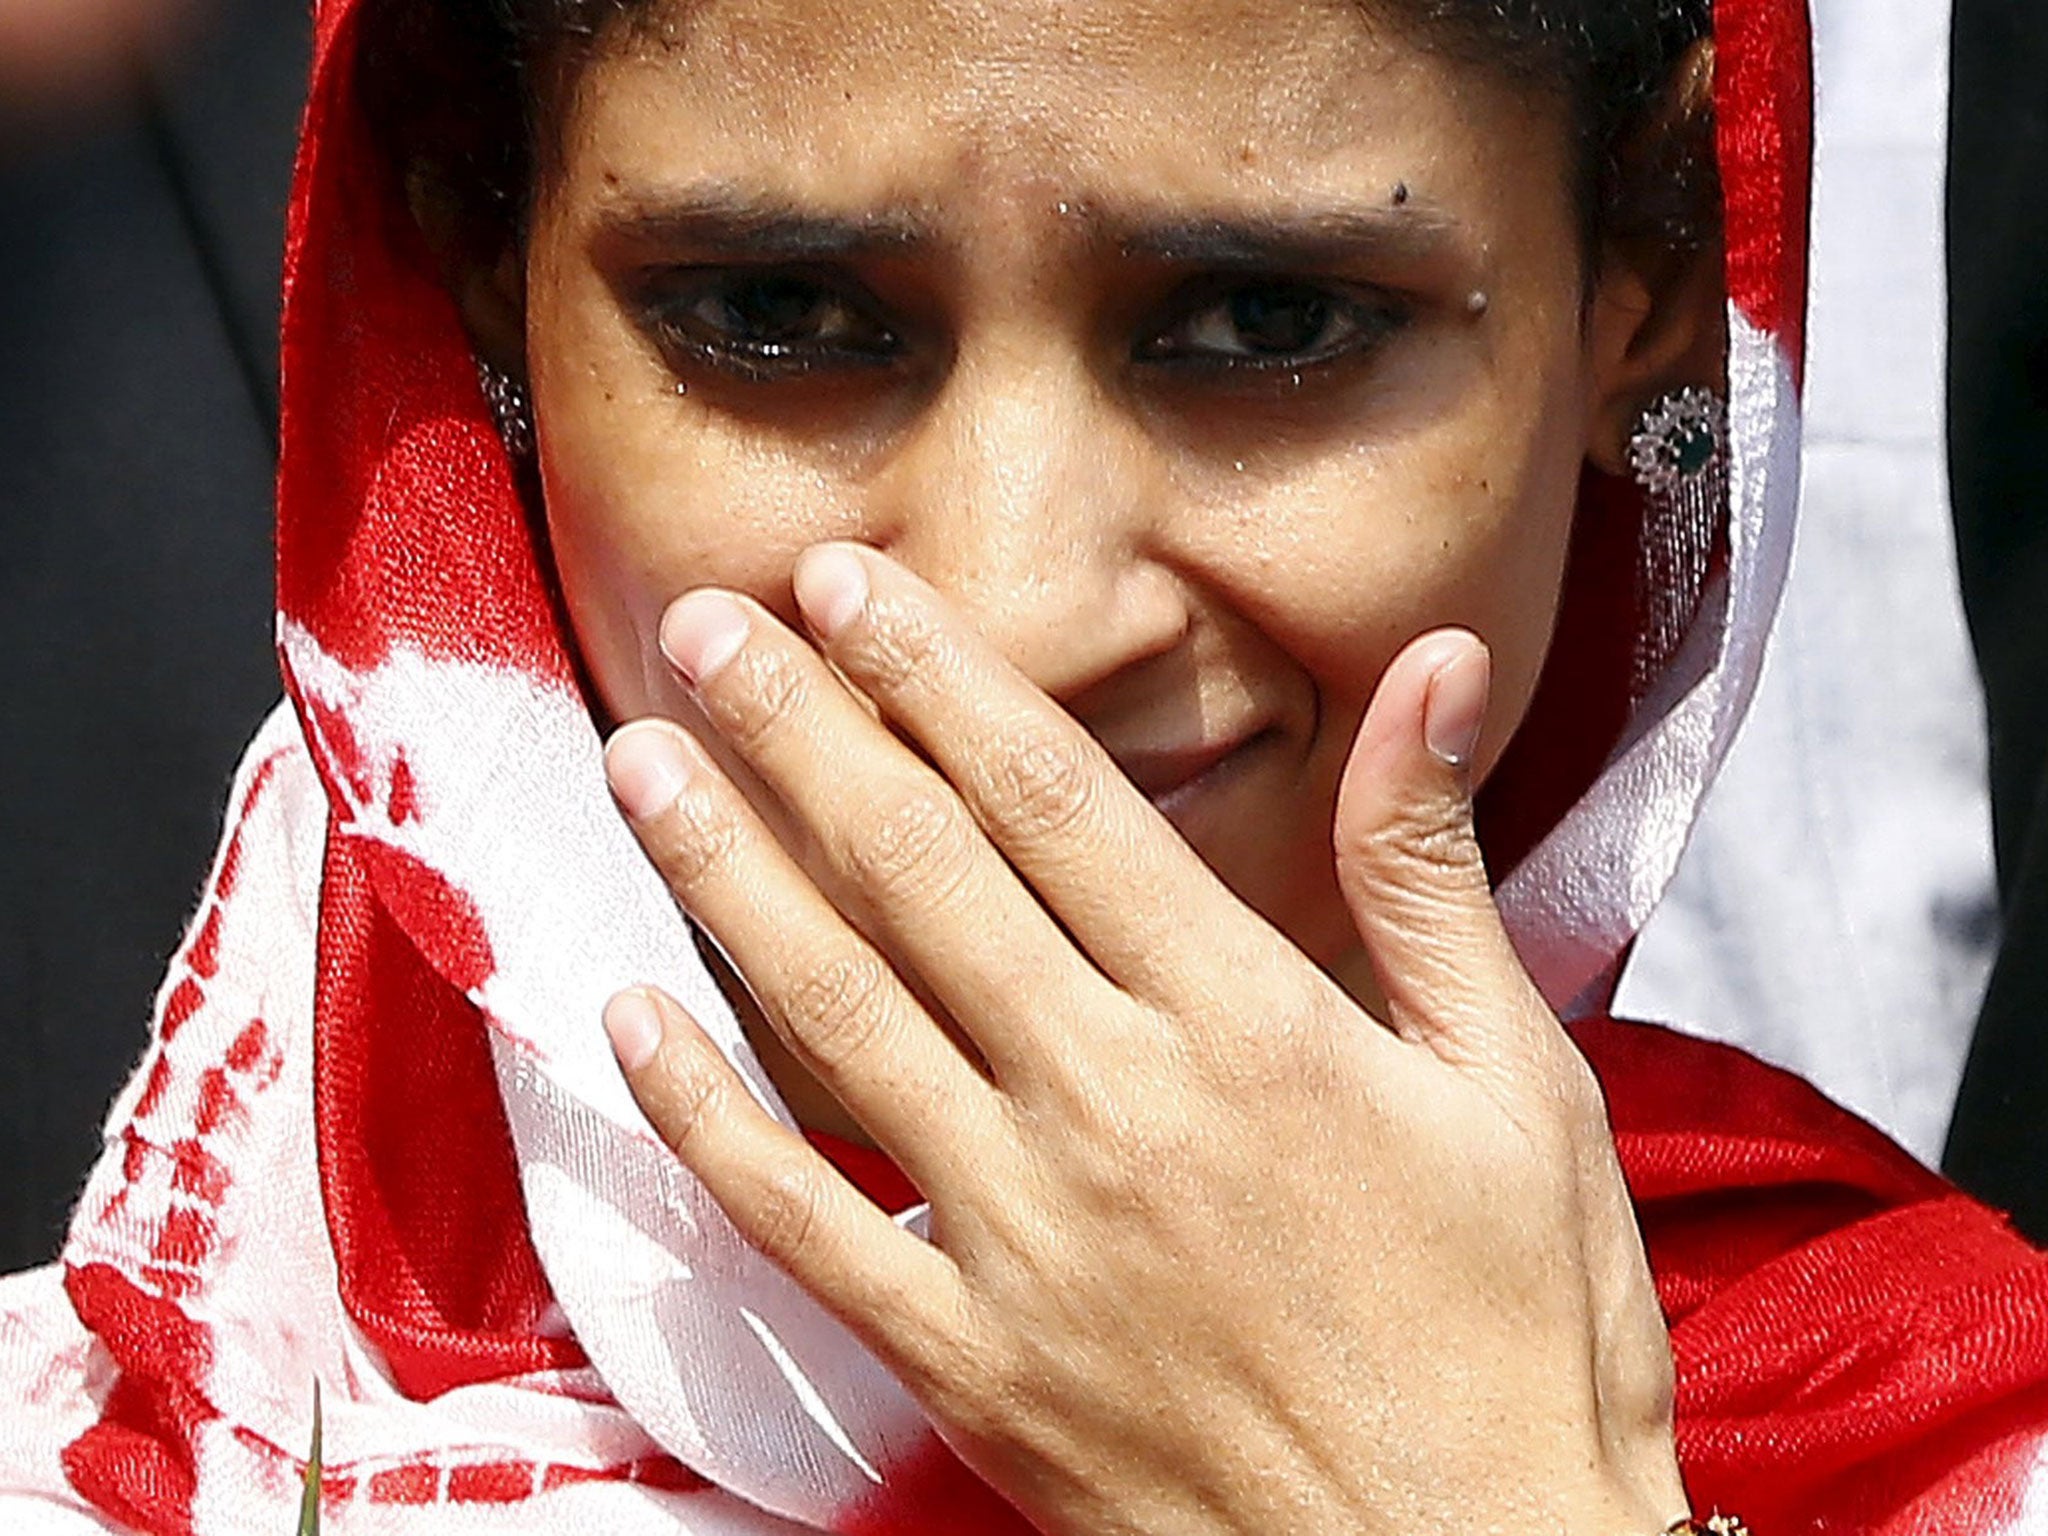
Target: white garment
{"type": "Point", "coordinates": [1836, 913]}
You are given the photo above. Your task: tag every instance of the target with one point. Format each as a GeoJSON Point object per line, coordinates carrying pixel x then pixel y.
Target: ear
{"type": "Point", "coordinates": [481, 266]}
{"type": "Point", "coordinates": [1657, 319]}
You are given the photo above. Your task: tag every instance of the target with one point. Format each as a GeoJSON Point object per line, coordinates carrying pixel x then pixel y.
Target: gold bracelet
{"type": "Point", "coordinates": [1713, 1525]}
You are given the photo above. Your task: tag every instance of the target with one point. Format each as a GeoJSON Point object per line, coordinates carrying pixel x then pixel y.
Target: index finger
{"type": "Point", "coordinates": [1104, 860]}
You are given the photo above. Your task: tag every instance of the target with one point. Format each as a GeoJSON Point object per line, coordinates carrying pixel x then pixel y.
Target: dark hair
{"type": "Point", "coordinates": [451, 86]}
{"type": "Point", "coordinates": [1613, 65]}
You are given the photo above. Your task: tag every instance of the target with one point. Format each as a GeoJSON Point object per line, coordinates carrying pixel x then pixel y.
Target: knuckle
{"type": "Point", "coordinates": [838, 1010]}
{"type": "Point", "coordinates": [1430, 832]}
{"type": "Point", "coordinates": [1434, 836]}
{"type": "Point", "coordinates": [895, 650]}
{"type": "Point", "coordinates": [698, 844]}
{"type": "Point", "coordinates": [1279, 1055]}
{"type": "Point", "coordinates": [788, 1210]}
{"type": "Point", "coordinates": [774, 692]}
{"type": "Point", "coordinates": [1048, 785]}
{"type": "Point", "coordinates": [696, 1101]}
{"type": "Point", "coordinates": [1135, 1159]}
{"type": "Point", "coordinates": [918, 846]}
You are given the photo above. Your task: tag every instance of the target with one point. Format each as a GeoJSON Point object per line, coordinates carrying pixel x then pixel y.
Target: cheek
{"type": "Point", "coordinates": [647, 498]}
{"type": "Point", "coordinates": [1467, 524]}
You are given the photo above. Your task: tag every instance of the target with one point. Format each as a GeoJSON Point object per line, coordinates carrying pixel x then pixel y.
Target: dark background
{"type": "Point", "coordinates": [139, 267]}
{"type": "Point", "coordinates": [1998, 458]}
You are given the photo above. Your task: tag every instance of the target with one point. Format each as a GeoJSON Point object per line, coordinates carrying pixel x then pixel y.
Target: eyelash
{"type": "Point", "coordinates": [1365, 319]}
{"type": "Point", "coordinates": [674, 320]}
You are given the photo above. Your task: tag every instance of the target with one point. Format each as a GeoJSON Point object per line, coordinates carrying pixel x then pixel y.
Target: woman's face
{"type": "Point", "coordinates": [1203, 352]}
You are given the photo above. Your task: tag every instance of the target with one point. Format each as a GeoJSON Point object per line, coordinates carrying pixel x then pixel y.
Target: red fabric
{"type": "Point", "coordinates": [416, 1161]}
{"type": "Point", "coordinates": [932, 1494]}
{"type": "Point", "coordinates": [398, 522]}
{"type": "Point", "coordinates": [868, 1171]}
{"type": "Point", "coordinates": [398, 525]}
{"type": "Point", "coordinates": [136, 1463]}
{"type": "Point", "coordinates": [1860, 1348]}
{"type": "Point", "coordinates": [1764, 105]}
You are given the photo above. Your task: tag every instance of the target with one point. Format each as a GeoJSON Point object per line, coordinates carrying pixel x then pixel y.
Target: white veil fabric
{"type": "Point", "coordinates": [1574, 904]}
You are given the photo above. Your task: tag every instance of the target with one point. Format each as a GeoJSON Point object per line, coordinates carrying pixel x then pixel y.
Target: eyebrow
{"type": "Point", "coordinates": [1320, 237]}
{"type": "Point", "coordinates": [727, 223]}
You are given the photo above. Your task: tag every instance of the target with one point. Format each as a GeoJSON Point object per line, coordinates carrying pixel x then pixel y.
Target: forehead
{"type": "Point", "coordinates": [865, 99]}
{"type": "Point", "coordinates": [1009, 55]}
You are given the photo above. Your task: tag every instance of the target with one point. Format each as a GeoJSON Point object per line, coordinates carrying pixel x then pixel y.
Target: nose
{"type": "Point", "coordinates": [1028, 497]}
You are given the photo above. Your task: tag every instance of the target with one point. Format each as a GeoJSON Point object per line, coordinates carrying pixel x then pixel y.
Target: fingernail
{"type": "Point", "coordinates": [1455, 708]}
{"type": "Point", "coordinates": [701, 633]}
{"type": "Point", "coordinates": [831, 588]}
{"type": "Point", "coordinates": [647, 769]}
{"type": "Point", "coordinates": [634, 1024]}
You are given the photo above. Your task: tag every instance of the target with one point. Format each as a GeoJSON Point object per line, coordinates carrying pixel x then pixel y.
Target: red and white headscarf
{"type": "Point", "coordinates": [379, 1142]}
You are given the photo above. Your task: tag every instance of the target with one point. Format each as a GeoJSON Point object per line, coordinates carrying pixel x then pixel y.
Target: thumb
{"type": "Point", "coordinates": [1408, 860]}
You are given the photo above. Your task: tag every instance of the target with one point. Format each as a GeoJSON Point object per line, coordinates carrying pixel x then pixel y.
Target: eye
{"type": "Point", "coordinates": [769, 323]}
{"type": "Point", "coordinates": [1271, 323]}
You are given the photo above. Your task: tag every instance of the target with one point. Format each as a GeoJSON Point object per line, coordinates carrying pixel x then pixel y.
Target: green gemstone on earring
{"type": "Point", "coordinates": [1694, 451]}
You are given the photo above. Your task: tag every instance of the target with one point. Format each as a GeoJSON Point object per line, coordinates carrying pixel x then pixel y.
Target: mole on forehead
{"type": "Point", "coordinates": [717, 218]}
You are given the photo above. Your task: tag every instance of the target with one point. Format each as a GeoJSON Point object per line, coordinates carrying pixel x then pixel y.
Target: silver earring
{"type": "Point", "coordinates": [510, 409]}
{"type": "Point", "coordinates": [1679, 454]}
